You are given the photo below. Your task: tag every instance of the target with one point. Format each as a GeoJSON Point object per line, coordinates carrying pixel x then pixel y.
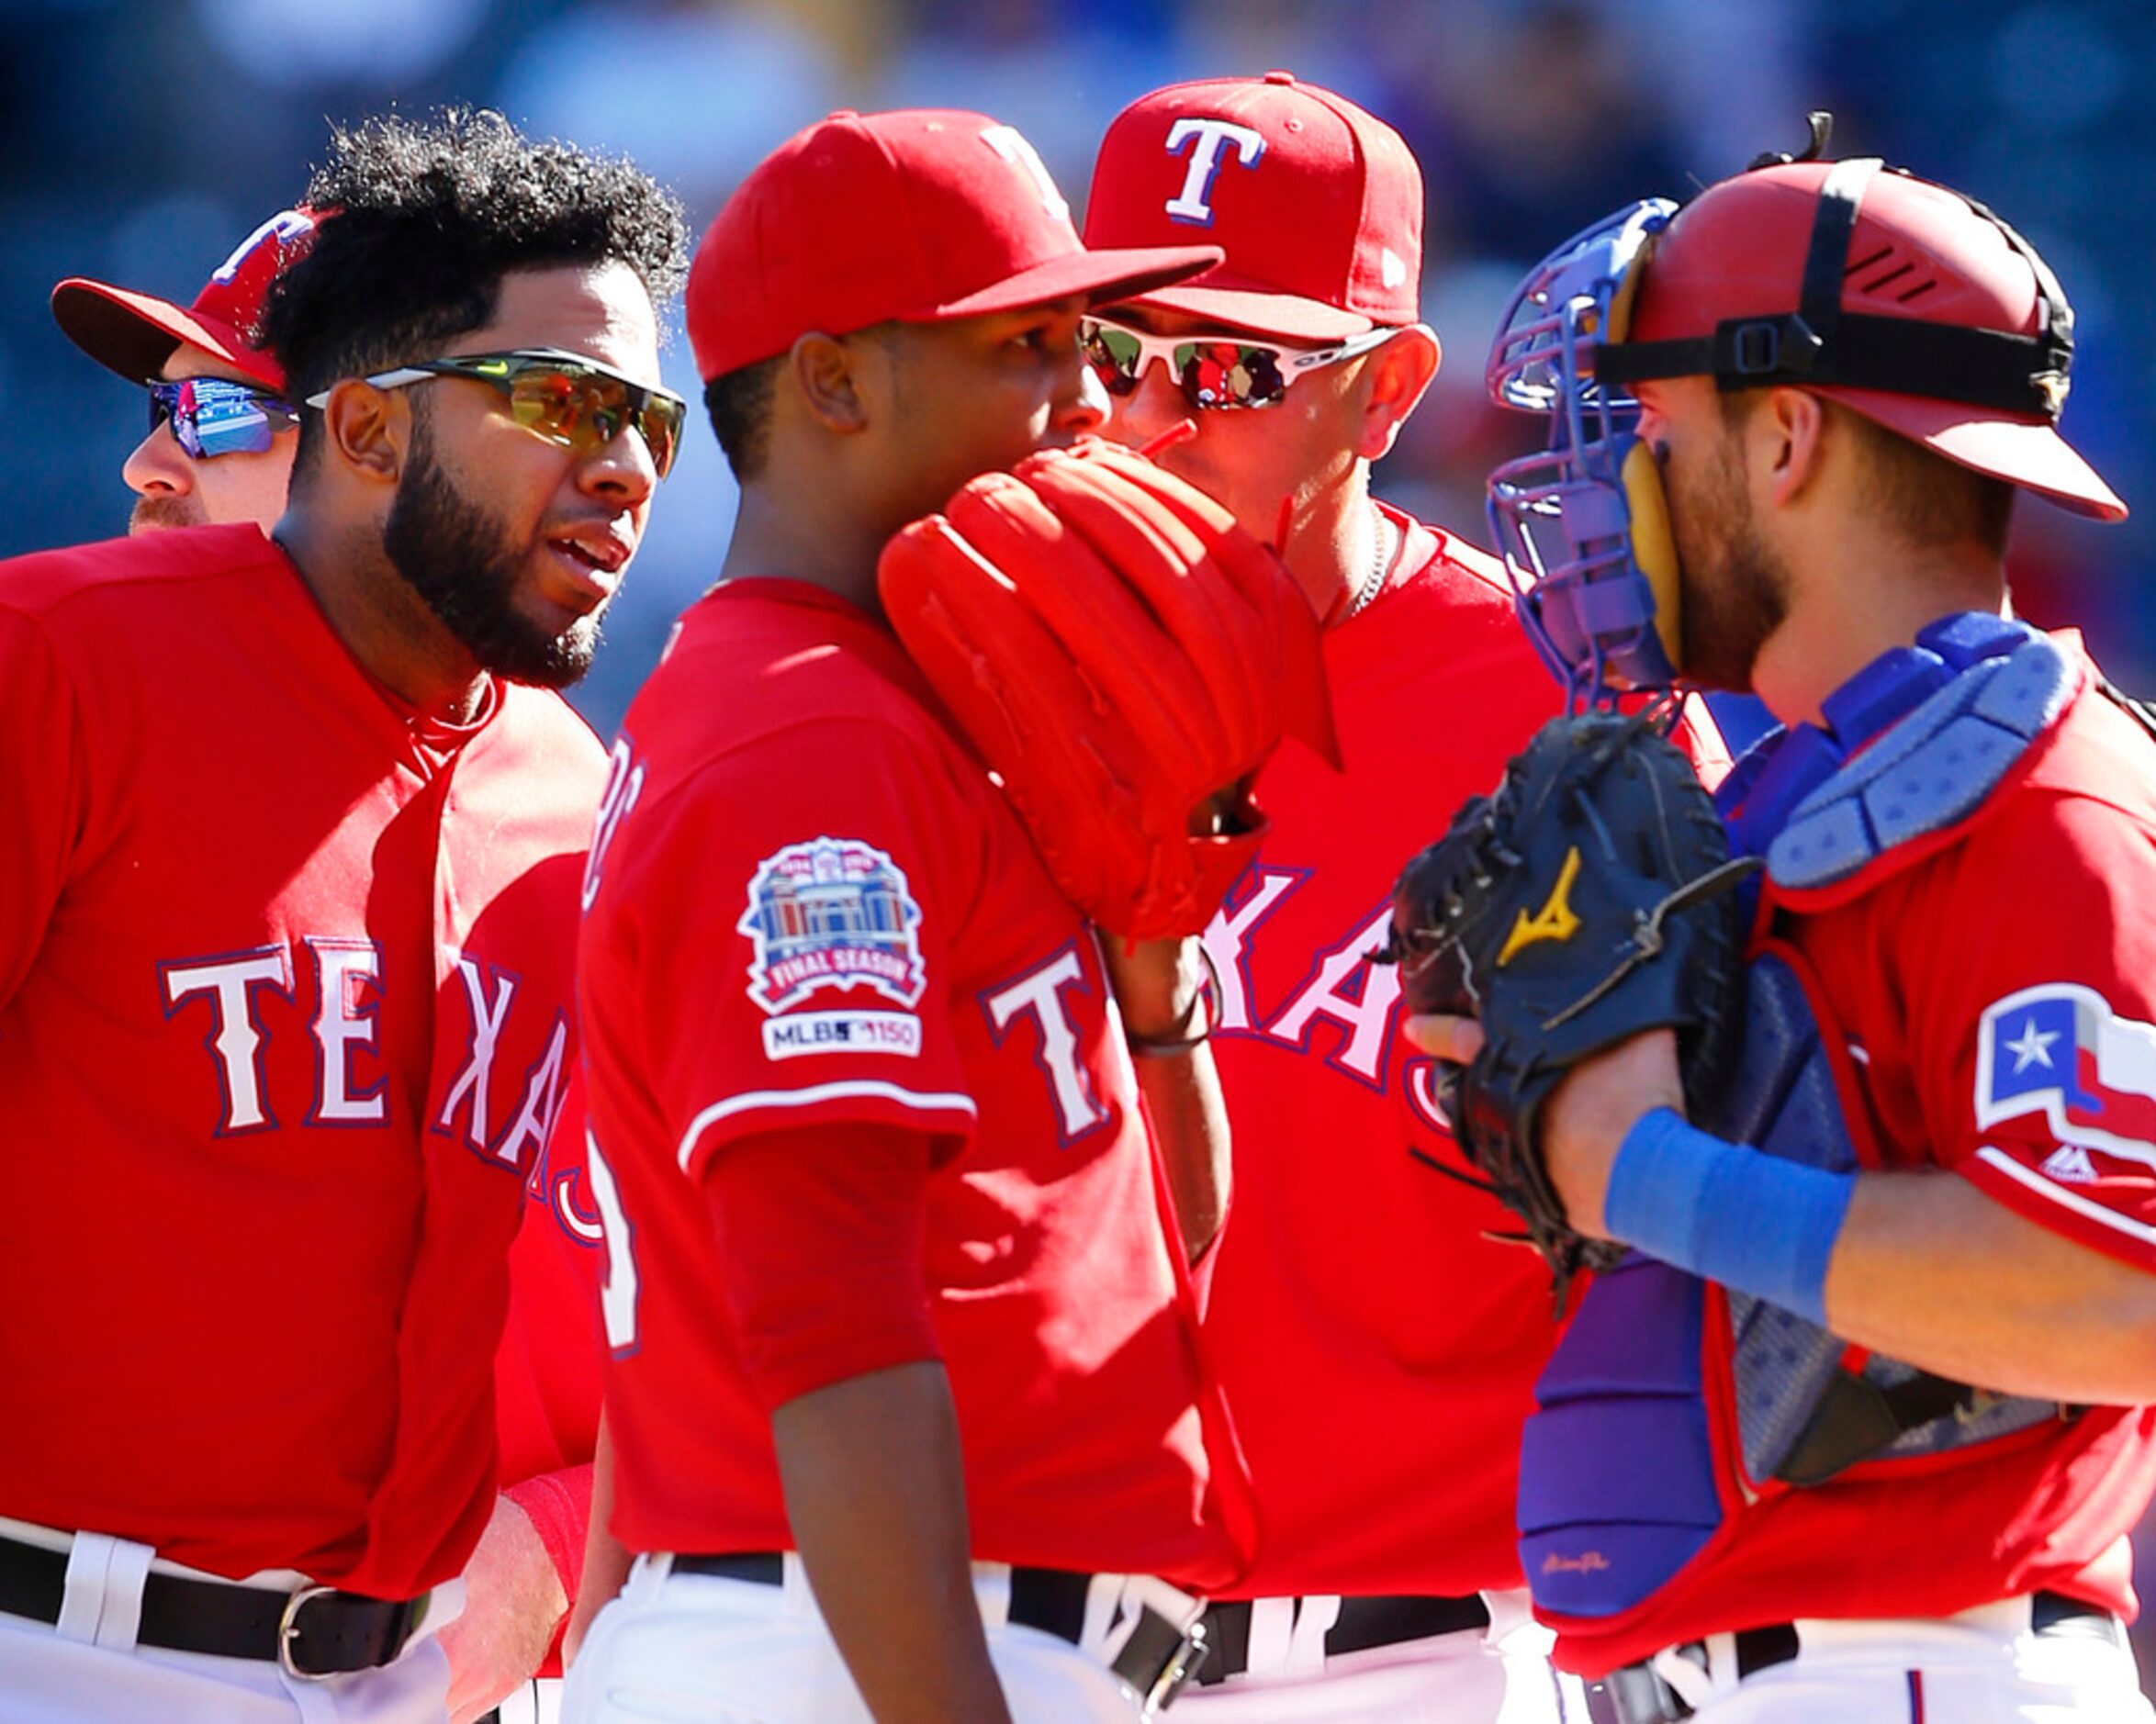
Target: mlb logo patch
{"type": "Point", "coordinates": [2060, 1052]}
{"type": "Point", "coordinates": [834, 912]}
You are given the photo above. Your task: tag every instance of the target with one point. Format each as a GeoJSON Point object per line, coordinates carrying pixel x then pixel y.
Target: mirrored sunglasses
{"type": "Point", "coordinates": [212, 415]}
{"type": "Point", "coordinates": [1213, 369]}
{"type": "Point", "coordinates": [573, 403]}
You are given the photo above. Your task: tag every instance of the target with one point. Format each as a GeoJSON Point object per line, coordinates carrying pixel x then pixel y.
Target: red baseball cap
{"type": "Point", "coordinates": [914, 216]}
{"type": "Point", "coordinates": [1918, 252]}
{"type": "Point", "coordinates": [135, 334]}
{"type": "Point", "coordinates": [1317, 205]}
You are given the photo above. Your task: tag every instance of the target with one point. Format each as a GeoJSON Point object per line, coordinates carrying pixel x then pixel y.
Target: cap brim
{"type": "Point", "coordinates": [134, 333]}
{"type": "Point", "coordinates": [1258, 312]}
{"type": "Point", "coordinates": [1100, 277]}
{"type": "Point", "coordinates": [2026, 451]}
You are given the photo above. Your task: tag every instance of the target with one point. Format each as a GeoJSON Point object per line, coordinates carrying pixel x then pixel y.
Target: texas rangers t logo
{"type": "Point", "coordinates": [1207, 138]}
{"type": "Point", "coordinates": [834, 912]}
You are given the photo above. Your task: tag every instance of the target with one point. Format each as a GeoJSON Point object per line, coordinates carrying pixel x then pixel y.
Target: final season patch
{"type": "Point", "coordinates": [2060, 1051]}
{"type": "Point", "coordinates": [834, 912]}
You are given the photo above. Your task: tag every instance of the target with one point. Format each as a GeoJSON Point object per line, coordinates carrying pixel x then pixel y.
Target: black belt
{"type": "Point", "coordinates": [1156, 1659]}
{"type": "Point", "coordinates": [1638, 1694]}
{"type": "Point", "coordinates": [315, 1631]}
{"type": "Point", "coordinates": [1362, 1624]}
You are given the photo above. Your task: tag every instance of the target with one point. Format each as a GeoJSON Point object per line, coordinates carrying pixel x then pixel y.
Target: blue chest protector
{"type": "Point", "coordinates": [1619, 1485]}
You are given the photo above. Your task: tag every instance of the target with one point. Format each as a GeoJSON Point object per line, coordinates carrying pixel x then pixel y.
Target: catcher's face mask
{"type": "Point", "coordinates": [1899, 299]}
{"type": "Point", "coordinates": [1582, 525]}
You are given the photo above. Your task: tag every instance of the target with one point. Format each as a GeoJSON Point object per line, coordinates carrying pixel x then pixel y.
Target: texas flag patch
{"type": "Point", "coordinates": [2060, 1052]}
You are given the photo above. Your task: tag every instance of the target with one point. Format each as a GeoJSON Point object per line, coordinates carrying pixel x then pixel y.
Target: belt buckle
{"type": "Point", "coordinates": [288, 1633]}
{"type": "Point", "coordinates": [1188, 1660]}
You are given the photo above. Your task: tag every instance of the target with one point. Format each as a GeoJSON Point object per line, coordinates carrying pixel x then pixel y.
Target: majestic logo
{"type": "Point", "coordinates": [834, 912]}
{"type": "Point", "coordinates": [1553, 920]}
{"type": "Point", "coordinates": [2060, 1052]}
{"type": "Point", "coordinates": [1206, 139]}
{"type": "Point", "coordinates": [2069, 1165]}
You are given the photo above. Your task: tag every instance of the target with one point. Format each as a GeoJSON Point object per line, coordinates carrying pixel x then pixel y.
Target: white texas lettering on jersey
{"type": "Point", "coordinates": [345, 1017]}
{"type": "Point", "coordinates": [1342, 984]}
{"type": "Point", "coordinates": [1366, 1014]}
{"type": "Point", "coordinates": [624, 784]}
{"type": "Point", "coordinates": [1039, 994]}
{"type": "Point", "coordinates": [1206, 139]}
{"type": "Point", "coordinates": [545, 1085]}
{"type": "Point", "coordinates": [235, 1038]}
{"type": "Point", "coordinates": [474, 1080]}
{"type": "Point", "coordinates": [1227, 937]}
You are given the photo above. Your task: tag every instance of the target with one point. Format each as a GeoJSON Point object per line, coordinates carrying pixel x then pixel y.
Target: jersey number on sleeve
{"type": "Point", "coordinates": [617, 1293]}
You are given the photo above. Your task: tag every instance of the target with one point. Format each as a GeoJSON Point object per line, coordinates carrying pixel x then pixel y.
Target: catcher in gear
{"type": "Point", "coordinates": [1584, 902]}
{"type": "Point", "coordinates": [1856, 1427]}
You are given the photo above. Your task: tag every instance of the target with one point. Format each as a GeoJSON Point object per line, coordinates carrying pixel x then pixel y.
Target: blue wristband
{"type": "Point", "coordinates": [1731, 1213]}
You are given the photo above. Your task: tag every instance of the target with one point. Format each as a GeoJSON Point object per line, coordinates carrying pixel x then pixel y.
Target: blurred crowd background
{"type": "Point", "coordinates": [140, 139]}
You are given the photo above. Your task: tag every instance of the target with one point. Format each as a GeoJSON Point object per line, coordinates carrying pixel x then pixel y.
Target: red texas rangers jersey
{"type": "Point", "coordinates": [1994, 984]}
{"type": "Point", "coordinates": [284, 1016]}
{"type": "Point", "coordinates": [550, 1371]}
{"type": "Point", "coordinates": [809, 906]}
{"type": "Point", "coordinates": [1379, 1352]}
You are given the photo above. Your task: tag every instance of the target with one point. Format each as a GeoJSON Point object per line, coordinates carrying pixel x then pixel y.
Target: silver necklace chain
{"type": "Point", "coordinates": [1381, 554]}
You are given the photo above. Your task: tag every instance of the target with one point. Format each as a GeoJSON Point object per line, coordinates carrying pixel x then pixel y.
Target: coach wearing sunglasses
{"type": "Point", "coordinates": [1378, 1350]}
{"type": "Point", "coordinates": [294, 827]}
{"type": "Point", "coordinates": [221, 432]}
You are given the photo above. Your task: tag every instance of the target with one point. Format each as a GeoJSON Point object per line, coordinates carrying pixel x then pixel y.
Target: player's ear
{"type": "Point", "coordinates": [1393, 385]}
{"type": "Point", "coordinates": [1788, 434]}
{"type": "Point", "coordinates": [826, 371]}
{"type": "Point", "coordinates": [366, 429]}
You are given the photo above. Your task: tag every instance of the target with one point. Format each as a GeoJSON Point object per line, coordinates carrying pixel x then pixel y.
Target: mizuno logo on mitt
{"type": "Point", "coordinates": [1553, 920]}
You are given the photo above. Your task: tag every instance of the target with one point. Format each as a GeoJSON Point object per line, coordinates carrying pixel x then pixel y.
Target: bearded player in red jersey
{"type": "Point", "coordinates": [906, 1409]}
{"type": "Point", "coordinates": [292, 854]}
{"type": "Point", "coordinates": [1858, 1429]}
{"type": "Point", "coordinates": [1378, 1352]}
{"type": "Point", "coordinates": [218, 452]}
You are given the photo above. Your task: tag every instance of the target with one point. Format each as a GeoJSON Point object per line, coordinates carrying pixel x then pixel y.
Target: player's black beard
{"type": "Point", "coordinates": [448, 551]}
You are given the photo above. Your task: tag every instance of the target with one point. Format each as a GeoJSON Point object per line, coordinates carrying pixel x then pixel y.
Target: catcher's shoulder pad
{"type": "Point", "coordinates": [1931, 768]}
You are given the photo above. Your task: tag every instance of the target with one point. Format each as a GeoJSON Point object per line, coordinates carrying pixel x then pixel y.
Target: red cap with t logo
{"type": "Point", "coordinates": [1317, 205]}
{"type": "Point", "coordinates": [913, 215]}
{"type": "Point", "coordinates": [134, 333]}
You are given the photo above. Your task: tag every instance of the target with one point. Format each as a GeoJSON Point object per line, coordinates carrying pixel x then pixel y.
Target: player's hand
{"type": "Point", "coordinates": [513, 1603]}
{"type": "Point", "coordinates": [1587, 1115]}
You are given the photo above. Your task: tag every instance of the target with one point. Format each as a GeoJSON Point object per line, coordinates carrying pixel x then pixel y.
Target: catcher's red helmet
{"type": "Point", "coordinates": [1900, 299]}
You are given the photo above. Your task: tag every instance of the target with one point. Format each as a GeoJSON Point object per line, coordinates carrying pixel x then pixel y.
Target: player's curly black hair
{"type": "Point", "coordinates": [429, 217]}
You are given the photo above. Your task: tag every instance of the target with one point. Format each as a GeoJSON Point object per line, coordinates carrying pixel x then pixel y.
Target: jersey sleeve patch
{"type": "Point", "coordinates": [2066, 1092]}
{"type": "Point", "coordinates": [833, 913]}
{"type": "Point", "coordinates": [2058, 1051]}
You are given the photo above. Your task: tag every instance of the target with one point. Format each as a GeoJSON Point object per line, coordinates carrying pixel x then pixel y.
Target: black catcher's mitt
{"type": "Point", "coordinates": [1583, 902]}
